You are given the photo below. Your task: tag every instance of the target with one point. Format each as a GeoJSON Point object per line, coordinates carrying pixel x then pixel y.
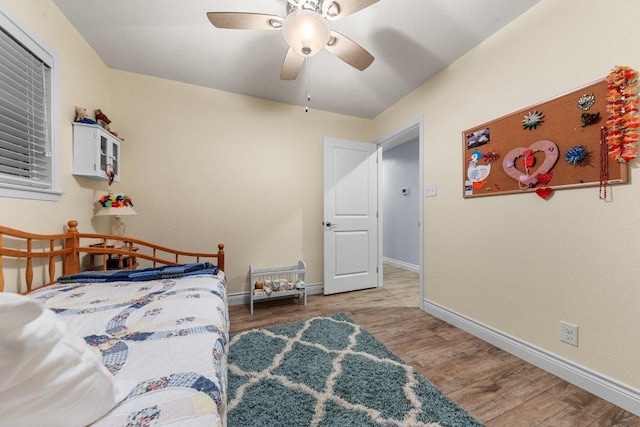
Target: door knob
{"type": "Point", "coordinates": [328, 224]}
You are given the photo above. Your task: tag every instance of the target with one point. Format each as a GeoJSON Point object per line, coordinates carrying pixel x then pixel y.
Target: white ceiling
{"type": "Point", "coordinates": [173, 39]}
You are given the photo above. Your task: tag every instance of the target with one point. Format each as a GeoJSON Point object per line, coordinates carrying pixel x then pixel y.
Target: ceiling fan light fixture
{"type": "Point", "coordinates": [306, 32]}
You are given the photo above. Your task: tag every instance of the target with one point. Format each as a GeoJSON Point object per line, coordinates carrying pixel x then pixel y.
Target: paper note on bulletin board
{"type": "Point", "coordinates": [497, 161]}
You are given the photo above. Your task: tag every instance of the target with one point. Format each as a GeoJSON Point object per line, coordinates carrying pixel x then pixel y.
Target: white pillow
{"type": "Point", "coordinates": [48, 376]}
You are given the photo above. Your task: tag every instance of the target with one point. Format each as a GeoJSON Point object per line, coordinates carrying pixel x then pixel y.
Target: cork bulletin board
{"type": "Point", "coordinates": [504, 156]}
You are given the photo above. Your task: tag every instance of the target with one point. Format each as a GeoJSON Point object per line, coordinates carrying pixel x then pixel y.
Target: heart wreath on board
{"type": "Point", "coordinates": [529, 179]}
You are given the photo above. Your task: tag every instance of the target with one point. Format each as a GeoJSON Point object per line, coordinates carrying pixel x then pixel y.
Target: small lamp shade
{"type": "Point", "coordinates": [116, 205]}
{"type": "Point", "coordinates": [125, 210]}
{"type": "Point", "coordinates": [306, 32]}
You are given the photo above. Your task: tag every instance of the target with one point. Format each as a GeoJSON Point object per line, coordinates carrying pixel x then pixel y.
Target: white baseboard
{"type": "Point", "coordinates": [619, 394]}
{"type": "Point", "coordinates": [401, 264]}
{"type": "Point", "coordinates": [242, 298]}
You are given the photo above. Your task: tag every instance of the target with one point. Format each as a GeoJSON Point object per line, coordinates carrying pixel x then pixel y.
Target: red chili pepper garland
{"type": "Point", "coordinates": [622, 122]}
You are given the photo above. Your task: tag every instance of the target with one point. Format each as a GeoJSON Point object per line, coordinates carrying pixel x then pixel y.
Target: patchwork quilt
{"type": "Point", "coordinates": [165, 340]}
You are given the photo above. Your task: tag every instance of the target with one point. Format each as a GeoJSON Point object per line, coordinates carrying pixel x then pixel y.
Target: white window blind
{"type": "Point", "coordinates": [28, 152]}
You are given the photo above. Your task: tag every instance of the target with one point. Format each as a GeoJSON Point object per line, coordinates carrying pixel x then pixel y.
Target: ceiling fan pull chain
{"type": "Point", "coordinates": [306, 72]}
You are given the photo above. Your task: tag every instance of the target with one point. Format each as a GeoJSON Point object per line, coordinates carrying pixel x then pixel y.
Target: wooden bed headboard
{"type": "Point", "coordinates": [68, 247]}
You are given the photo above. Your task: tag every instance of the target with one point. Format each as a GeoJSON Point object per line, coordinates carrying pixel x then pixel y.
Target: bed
{"type": "Point", "coordinates": [124, 347]}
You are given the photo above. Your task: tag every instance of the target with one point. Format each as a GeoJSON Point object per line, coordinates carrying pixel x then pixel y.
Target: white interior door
{"type": "Point", "coordinates": [350, 215]}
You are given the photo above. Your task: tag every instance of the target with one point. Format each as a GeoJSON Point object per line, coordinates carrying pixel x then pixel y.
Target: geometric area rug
{"type": "Point", "coordinates": [329, 371]}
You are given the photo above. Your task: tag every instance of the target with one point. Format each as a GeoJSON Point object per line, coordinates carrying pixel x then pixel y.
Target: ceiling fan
{"type": "Point", "coordinates": [306, 30]}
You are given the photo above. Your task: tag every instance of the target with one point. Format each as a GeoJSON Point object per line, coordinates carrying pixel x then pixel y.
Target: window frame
{"type": "Point", "coordinates": [51, 58]}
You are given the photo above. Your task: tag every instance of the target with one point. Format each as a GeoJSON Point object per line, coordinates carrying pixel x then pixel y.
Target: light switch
{"type": "Point", "coordinates": [431, 190]}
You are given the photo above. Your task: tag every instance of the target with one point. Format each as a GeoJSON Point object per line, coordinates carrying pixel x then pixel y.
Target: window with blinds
{"type": "Point", "coordinates": [28, 149]}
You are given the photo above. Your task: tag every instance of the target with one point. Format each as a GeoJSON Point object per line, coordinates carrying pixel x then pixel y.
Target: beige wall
{"type": "Point", "coordinates": [205, 166]}
{"type": "Point", "coordinates": [85, 81]}
{"type": "Point", "coordinates": [573, 257]}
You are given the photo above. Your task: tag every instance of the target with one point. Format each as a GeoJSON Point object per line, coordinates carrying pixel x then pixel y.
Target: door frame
{"type": "Point", "coordinates": [409, 131]}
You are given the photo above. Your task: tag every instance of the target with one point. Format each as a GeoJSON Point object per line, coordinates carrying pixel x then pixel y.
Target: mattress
{"type": "Point", "coordinates": [165, 339]}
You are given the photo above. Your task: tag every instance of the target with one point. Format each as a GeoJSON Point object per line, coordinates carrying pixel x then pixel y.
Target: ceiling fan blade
{"type": "Point", "coordinates": [245, 21]}
{"type": "Point", "coordinates": [338, 9]}
{"type": "Point", "coordinates": [349, 51]}
{"type": "Point", "coordinates": [292, 65]}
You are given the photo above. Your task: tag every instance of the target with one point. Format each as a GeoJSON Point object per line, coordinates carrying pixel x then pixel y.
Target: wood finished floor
{"type": "Point", "coordinates": [497, 388]}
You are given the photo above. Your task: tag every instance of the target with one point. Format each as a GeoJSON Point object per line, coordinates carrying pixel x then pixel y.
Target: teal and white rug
{"type": "Point", "coordinates": [329, 371]}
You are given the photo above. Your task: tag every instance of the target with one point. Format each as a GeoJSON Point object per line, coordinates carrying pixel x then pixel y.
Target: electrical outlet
{"type": "Point", "coordinates": [569, 333]}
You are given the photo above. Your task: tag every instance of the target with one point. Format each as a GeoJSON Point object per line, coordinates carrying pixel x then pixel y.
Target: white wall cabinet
{"type": "Point", "coordinates": [93, 149]}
